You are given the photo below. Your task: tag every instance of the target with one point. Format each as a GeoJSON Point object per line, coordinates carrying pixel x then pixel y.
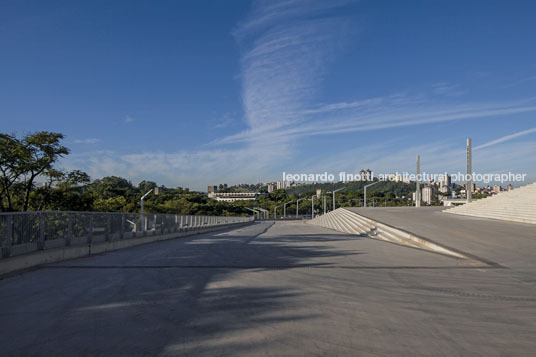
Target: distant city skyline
{"type": "Point", "coordinates": [195, 93]}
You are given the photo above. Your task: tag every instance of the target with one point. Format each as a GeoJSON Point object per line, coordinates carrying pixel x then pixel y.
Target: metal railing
{"type": "Point", "coordinates": [25, 232]}
{"type": "Point", "coordinates": [279, 217]}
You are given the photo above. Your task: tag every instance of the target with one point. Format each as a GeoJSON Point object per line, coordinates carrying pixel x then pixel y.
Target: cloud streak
{"type": "Point", "coordinates": [286, 48]}
{"type": "Point", "coordinates": [90, 141]}
{"type": "Point", "coordinates": [506, 138]}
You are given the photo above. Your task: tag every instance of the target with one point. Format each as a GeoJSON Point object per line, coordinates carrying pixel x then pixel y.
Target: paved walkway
{"type": "Point", "coordinates": [278, 289]}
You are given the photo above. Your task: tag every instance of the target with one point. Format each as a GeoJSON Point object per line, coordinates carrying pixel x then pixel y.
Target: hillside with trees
{"type": "Point", "coordinates": [31, 181]}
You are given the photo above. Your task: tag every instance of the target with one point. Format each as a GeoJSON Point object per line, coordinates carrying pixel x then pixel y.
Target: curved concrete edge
{"type": "Point", "coordinates": [23, 262]}
{"type": "Point", "coordinates": [387, 233]}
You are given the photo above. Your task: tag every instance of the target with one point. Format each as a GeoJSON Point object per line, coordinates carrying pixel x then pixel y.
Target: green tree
{"type": "Point", "coordinates": [24, 160]}
{"type": "Point", "coordinates": [112, 204]}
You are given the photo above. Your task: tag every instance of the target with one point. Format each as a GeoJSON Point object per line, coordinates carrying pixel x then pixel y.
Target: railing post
{"type": "Point", "coordinates": [122, 228]}
{"type": "Point", "coordinates": [163, 221]}
{"type": "Point", "coordinates": [41, 240]}
{"type": "Point", "coordinates": [90, 230]}
{"type": "Point", "coordinates": [154, 224]}
{"type": "Point", "coordinates": [69, 237]}
{"type": "Point", "coordinates": [6, 249]}
{"type": "Point", "coordinates": [108, 227]}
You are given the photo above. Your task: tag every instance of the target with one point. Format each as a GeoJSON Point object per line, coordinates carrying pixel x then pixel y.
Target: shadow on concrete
{"type": "Point", "coordinates": [136, 302]}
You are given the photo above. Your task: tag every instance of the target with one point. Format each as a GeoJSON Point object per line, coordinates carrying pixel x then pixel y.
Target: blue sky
{"type": "Point", "coordinates": [206, 92]}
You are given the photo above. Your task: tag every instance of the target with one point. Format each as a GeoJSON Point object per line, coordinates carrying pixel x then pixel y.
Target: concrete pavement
{"type": "Point", "coordinates": [507, 243]}
{"type": "Point", "coordinates": [284, 288]}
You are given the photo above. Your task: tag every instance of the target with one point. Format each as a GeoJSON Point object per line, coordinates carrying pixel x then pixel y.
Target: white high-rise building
{"type": "Point", "coordinates": [427, 192]}
{"type": "Point", "coordinates": [445, 184]}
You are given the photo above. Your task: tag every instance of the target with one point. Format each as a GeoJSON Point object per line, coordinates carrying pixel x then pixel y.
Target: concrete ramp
{"type": "Point", "coordinates": [346, 221]}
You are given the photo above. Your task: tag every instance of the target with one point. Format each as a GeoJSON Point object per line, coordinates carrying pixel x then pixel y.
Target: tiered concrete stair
{"type": "Point", "coordinates": [346, 221]}
{"type": "Point", "coordinates": [518, 205]}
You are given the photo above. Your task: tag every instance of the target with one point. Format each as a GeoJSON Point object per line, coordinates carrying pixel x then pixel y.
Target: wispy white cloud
{"type": "Point", "coordinates": [128, 119]}
{"type": "Point", "coordinates": [381, 113]}
{"type": "Point", "coordinates": [286, 48]}
{"type": "Point", "coordinates": [86, 141]}
{"type": "Point", "coordinates": [520, 81]}
{"type": "Point", "coordinates": [448, 89]}
{"type": "Point", "coordinates": [506, 138]}
{"type": "Point", "coordinates": [225, 121]}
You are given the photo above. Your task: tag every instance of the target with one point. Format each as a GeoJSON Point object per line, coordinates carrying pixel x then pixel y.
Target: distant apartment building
{"type": "Point", "coordinates": [212, 189]}
{"type": "Point", "coordinates": [473, 188]}
{"type": "Point", "coordinates": [395, 177]}
{"type": "Point", "coordinates": [445, 184]}
{"type": "Point", "coordinates": [427, 193]}
{"type": "Point", "coordinates": [270, 187]}
{"type": "Point", "coordinates": [365, 175]}
{"type": "Point", "coordinates": [233, 196]}
{"type": "Point", "coordinates": [283, 184]}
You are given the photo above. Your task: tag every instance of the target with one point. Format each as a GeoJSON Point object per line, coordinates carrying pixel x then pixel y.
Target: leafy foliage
{"type": "Point", "coordinates": [23, 161]}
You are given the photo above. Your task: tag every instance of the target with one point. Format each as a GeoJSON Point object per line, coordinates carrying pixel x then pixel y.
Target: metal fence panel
{"type": "Point", "coordinates": [19, 228]}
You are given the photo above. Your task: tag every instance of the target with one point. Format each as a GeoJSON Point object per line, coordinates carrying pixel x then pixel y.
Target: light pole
{"type": "Point", "coordinates": [365, 193]}
{"type": "Point", "coordinates": [275, 211]}
{"type": "Point", "coordinates": [143, 222]}
{"type": "Point", "coordinates": [313, 206]}
{"type": "Point", "coordinates": [334, 196]}
{"type": "Point", "coordinates": [266, 212]}
{"type": "Point", "coordinates": [285, 209]}
{"type": "Point", "coordinates": [254, 211]}
{"type": "Point", "coordinates": [298, 206]}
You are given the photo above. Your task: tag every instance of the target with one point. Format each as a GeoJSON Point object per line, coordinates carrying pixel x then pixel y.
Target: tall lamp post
{"type": "Point", "coordinates": [298, 206]}
{"type": "Point", "coordinates": [254, 211]}
{"type": "Point", "coordinates": [334, 196]}
{"type": "Point", "coordinates": [275, 211]}
{"type": "Point", "coordinates": [365, 193]}
{"type": "Point", "coordinates": [143, 221]}
{"type": "Point", "coordinates": [266, 212]}
{"type": "Point", "coordinates": [285, 209]}
{"type": "Point", "coordinates": [313, 206]}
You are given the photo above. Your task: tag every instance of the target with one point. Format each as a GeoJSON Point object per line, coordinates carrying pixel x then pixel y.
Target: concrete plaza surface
{"type": "Point", "coordinates": [277, 289]}
{"type": "Point", "coordinates": [506, 243]}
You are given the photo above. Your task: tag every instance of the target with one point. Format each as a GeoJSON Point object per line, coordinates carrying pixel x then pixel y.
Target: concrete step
{"type": "Point", "coordinates": [501, 218]}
